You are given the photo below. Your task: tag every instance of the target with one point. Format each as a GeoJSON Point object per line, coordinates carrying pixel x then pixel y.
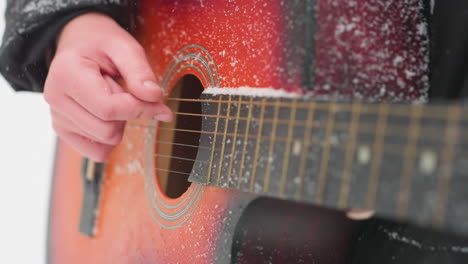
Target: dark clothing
{"type": "Point", "coordinates": [31, 30]}
{"type": "Point", "coordinates": [387, 242]}
{"type": "Point", "coordinates": [449, 51]}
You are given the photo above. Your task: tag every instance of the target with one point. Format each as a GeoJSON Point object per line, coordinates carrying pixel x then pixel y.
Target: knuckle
{"type": "Point", "coordinates": [132, 106]}
{"type": "Point", "coordinates": [139, 58]}
{"type": "Point", "coordinates": [112, 134]}
{"type": "Point", "coordinates": [86, 62]}
{"type": "Point", "coordinates": [107, 112]}
{"type": "Point", "coordinates": [62, 60]}
{"type": "Point", "coordinates": [140, 72]}
{"type": "Point", "coordinates": [124, 45]}
{"type": "Point", "coordinates": [138, 111]}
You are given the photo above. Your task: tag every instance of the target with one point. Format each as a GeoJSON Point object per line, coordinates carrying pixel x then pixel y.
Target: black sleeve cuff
{"type": "Point", "coordinates": [23, 60]}
{"type": "Point", "coordinates": [449, 53]}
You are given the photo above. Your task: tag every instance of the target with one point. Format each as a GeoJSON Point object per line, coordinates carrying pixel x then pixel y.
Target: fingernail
{"type": "Point", "coordinates": [163, 117]}
{"type": "Point", "coordinates": [150, 84]}
{"type": "Point", "coordinates": [360, 214]}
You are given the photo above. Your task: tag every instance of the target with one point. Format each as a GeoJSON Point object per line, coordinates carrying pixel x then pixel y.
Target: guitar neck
{"type": "Point", "coordinates": [403, 161]}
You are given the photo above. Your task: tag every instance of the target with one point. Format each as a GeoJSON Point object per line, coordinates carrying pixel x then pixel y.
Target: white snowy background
{"type": "Point", "coordinates": [27, 146]}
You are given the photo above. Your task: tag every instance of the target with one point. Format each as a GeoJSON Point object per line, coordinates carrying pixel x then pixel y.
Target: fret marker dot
{"type": "Point", "coordinates": [297, 148]}
{"type": "Point", "coordinates": [428, 161]}
{"type": "Point", "coordinates": [364, 155]}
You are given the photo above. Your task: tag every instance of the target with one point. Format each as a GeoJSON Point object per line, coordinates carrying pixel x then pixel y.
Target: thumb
{"type": "Point", "coordinates": [135, 69]}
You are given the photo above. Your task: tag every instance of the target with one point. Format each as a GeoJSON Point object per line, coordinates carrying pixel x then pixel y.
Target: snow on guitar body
{"type": "Point", "coordinates": [139, 208]}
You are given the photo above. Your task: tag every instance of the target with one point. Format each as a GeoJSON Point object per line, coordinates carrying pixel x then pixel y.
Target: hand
{"type": "Point", "coordinates": [88, 106]}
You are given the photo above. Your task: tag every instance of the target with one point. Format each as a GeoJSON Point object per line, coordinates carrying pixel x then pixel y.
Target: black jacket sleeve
{"type": "Point", "coordinates": [31, 30]}
{"type": "Point", "coordinates": [449, 51]}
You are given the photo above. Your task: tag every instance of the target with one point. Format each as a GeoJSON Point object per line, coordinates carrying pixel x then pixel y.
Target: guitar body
{"type": "Point", "coordinates": [218, 44]}
{"type": "Point", "coordinates": [130, 230]}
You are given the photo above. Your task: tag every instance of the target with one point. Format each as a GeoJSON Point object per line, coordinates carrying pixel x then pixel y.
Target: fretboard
{"type": "Point", "coordinates": [403, 161]}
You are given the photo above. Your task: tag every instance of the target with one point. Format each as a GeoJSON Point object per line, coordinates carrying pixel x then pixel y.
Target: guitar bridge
{"type": "Point", "coordinates": [92, 176]}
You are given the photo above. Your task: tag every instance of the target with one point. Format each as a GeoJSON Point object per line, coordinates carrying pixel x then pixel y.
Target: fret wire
{"type": "Point", "coordinates": [446, 167]}
{"type": "Point", "coordinates": [396, 152]}
{"type": "Point", "coordinates": [408, 165]}
{"type": "Point", "coordinates": [378, 150]}
{"type": "Point", "coordinates": [307, 143]}
{"type": "Point", "coordinates": [271, 147]}
{"type": "Point", "coordinates": [257, 147]}
{"type": "Point", "coordinates": [244, 147]}
{"type": "Point", "coordinates": [292, 118]}
{"type": "Point", "coordinates": [387, 148]}
{"type": "Point", "coordinates": [430, 110]}
{"type": "Point", "coordinates": [278, 139]}
{"type": "Point", "coordinates": [266, 120]}
{"type": "Point", "coordinates": [348, 164]}
{"type": "Point", "coordinates": [224, 141]}
{"type": "Point", "coordinates": [325, 156]}
{"type": "Point", "coordinates": [214, 145]}
{"type": "Point", "coordinates": [368, 127]}
{"type": "Point", "coordinates": [234, 139]}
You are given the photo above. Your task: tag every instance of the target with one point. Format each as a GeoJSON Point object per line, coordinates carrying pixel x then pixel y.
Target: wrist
{"type": "Point", "coordinates": [81, 26]}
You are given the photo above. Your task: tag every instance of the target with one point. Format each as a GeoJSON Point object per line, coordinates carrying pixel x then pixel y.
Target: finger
{"type": "Point", "coordinates": [130, 60]}
{"type": "Point", "coordinates": [60, 120]}
{"type": "Point", "coordinates": [106, 132]}
{"type": "Point", "coordinates": [93, 150]}
{"type": "Point", "coordinates": [360, 215]}
{"type": "Point", "coordinates": [113, 85]}
{"type": "Point", "coordinates": [88, 93]}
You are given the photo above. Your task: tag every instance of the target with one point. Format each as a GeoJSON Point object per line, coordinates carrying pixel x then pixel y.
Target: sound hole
{"type": "Point", "coordinates": [176, 146]}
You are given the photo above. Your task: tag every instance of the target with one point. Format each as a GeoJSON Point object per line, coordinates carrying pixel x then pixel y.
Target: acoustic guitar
{"type": "Point", "coordinates": [253, 175]}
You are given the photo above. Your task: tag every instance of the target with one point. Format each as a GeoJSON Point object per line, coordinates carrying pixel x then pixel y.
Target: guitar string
{"type": "Point", "coordinates": [389, 149]}
{"type": "Point", "coordinates": [365, 128]}
{"type": "Point", "coordinates": [174, 171]}
{"type": "Point", "coordinates": [401, 130]}
{"type": "Point", "coordinates": [180, 144]}
{"type": "Point", "coordinates": [177, 157]}
{"type": "Point", "coordinates": [182, 173]}
{"type": "Point", "coordinates": [297, 123]}
{"type": "Point", "coordinates": [230, 118]}
{"type": "Point", "coordinates": [183, 158]}
{"type": "Point", "coordinates": [178, 172]}
{"type": "Point", "coordinates": [344, 125]}
{"type": "Point", "coordinates": [430, 110]}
